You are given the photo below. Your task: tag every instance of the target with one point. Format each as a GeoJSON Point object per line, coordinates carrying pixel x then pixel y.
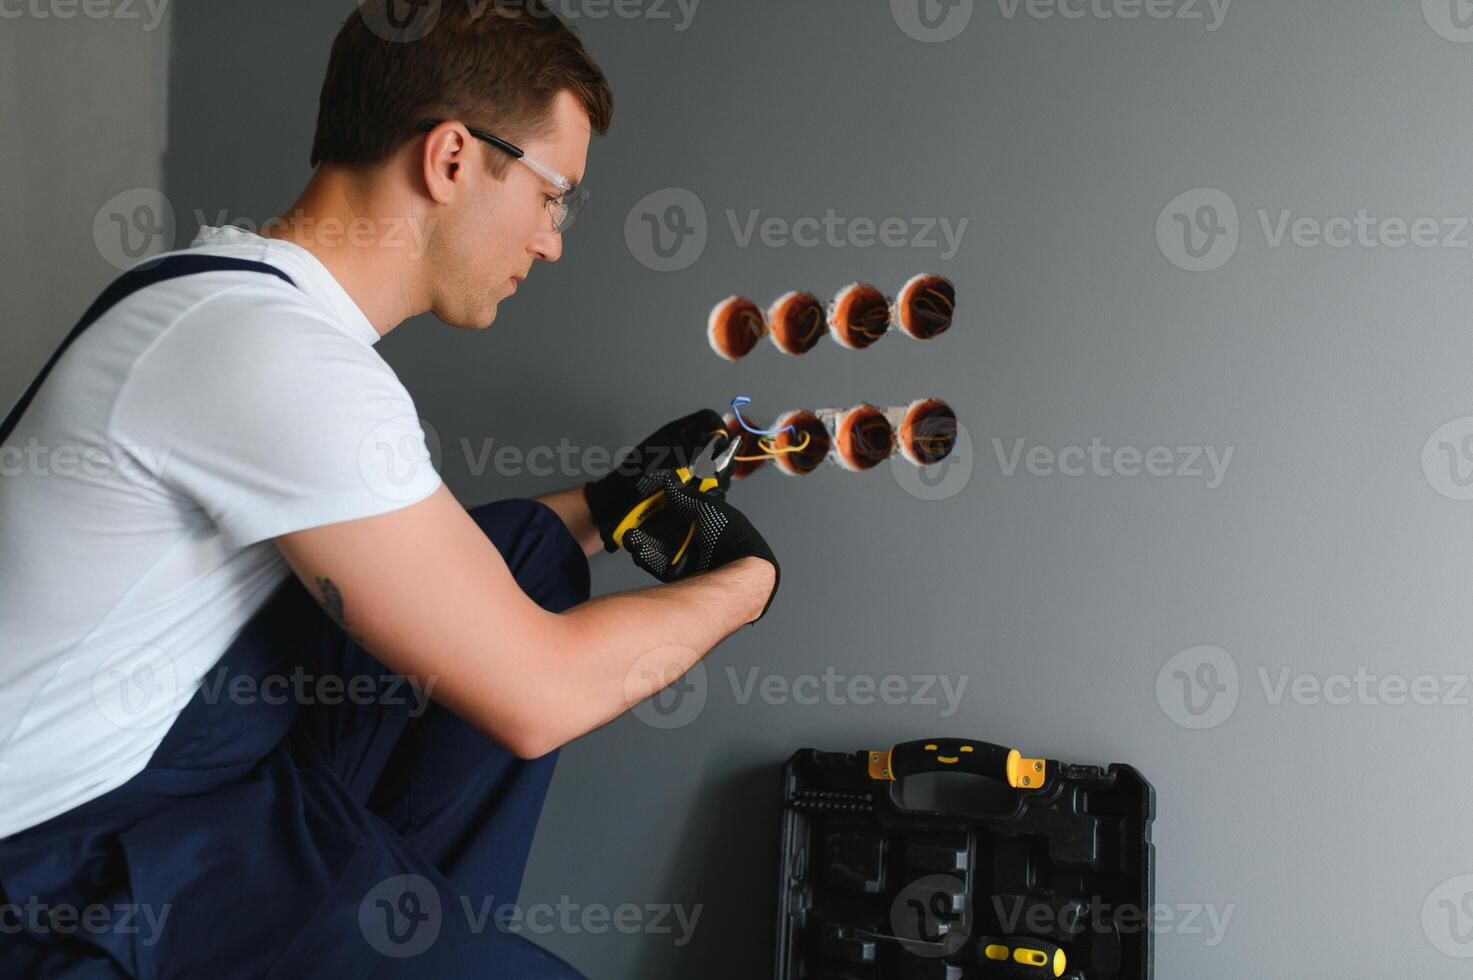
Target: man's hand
{"type": "Point", "coordinates": [672, 445]}
{"type": "Point", "coordinates": [722, 534]}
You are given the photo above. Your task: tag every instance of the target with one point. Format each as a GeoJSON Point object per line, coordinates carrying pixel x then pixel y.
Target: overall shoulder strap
{"type": "Point", "coordinates": [139, 277]}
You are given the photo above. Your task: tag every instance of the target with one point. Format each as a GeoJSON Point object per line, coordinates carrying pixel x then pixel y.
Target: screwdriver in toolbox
{"type": "Point", "coordinates": [1023, 956]}
{"type": "Point", "coordinates": [1009, 956]}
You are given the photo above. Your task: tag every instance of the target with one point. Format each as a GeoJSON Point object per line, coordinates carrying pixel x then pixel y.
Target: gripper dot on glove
{"type": "Point", "coordinates": [713, 522]}
{"type": "Point", "coordinates": [721, 535]}
{"type": "Point", "coordinates": [646, 553]}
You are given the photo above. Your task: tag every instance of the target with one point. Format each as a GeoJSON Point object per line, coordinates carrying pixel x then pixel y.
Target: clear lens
{"type": "Point", "coordinates": [565, 212]}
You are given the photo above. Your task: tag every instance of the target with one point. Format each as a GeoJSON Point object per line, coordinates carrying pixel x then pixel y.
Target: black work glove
{"type": "Point", "coordinates": [675, 444]}
{"type": "Point", "coordinates": [722, 535]}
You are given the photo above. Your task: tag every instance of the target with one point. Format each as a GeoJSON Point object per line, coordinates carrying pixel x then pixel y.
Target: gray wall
{"type": "Point", "coordinates": [83, 117]}
{"type": "Point", "coordinates": [1333, 834]}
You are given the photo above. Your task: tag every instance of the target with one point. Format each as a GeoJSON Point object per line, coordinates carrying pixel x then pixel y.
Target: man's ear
{"type": "Point", "coordinates": [446, 153]}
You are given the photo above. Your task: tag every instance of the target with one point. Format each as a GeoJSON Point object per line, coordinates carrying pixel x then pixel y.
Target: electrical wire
{"type": "Point", "coordinates": [736, 408]}
{"type": "Point", "coordinates": [772, 451]}
{"type": "Point", "coordinates": [932, 437]}
{"type": "Point", "coordinates": [801, 322]}
{"type": "Point", "coordinates": [870, 437]}
{"type": "Point", "coordinates": [868, 315]}
{"type": "Point", "coordinates": [932, 309]}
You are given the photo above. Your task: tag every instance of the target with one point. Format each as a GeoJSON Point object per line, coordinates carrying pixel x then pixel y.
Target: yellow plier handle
{"type": "Point", "coordinates": [659, 500]}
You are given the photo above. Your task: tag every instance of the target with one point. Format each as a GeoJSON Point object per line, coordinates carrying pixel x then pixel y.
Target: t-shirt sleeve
{"type": "Point", "coordinates": [272, 420]}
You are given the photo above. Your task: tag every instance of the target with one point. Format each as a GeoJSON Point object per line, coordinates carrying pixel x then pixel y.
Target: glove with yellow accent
{"type": "Point", "coordinates": [673, 445]}
{"type": "Point", "coordinates": [695, 532]}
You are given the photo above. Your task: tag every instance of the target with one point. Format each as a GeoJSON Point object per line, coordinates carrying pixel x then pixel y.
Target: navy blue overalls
{"type": "Point", "coordinates": [293, 837]}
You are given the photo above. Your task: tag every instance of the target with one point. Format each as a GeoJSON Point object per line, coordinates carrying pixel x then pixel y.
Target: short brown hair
{"type": "Point", "coordinates": [494, 64]}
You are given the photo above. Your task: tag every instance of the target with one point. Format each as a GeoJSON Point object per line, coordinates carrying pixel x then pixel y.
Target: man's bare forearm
{"type": "Point", "coordinates": [572, 506]}
{"type": "Point", "coordinates": [612, 652]}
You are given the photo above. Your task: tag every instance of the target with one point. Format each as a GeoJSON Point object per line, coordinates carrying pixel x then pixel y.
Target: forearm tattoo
{"type": "Point", "coordinates": [332, 604]}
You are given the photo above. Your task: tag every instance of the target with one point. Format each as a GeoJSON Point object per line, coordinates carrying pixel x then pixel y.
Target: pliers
{"type": "Point", "coordinates": [705, 473]}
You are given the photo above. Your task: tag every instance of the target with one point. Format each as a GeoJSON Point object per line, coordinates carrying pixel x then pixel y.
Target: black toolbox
{"type": "Point", "coordinates": [1053, 877]}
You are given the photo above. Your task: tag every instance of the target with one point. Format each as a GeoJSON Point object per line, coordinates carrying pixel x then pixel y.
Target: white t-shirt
{"type": "Point", "coordinates": [194, 422]}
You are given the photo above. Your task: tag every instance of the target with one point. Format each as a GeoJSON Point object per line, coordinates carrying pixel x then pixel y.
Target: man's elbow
{"type": "Point", "coordinates": [547, 710]}
{"type": "Point", "coordinates": [532, 745]}
{"type": "Point", "coordinates": [532, 738]}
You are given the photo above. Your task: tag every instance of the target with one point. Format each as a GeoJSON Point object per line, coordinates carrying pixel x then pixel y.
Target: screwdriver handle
{"type": "Point", "coordinates": [1022, 956]}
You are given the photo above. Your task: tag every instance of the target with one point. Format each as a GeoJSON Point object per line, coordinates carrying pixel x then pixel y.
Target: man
{"type": "Point", "coordinates": [226, 615]}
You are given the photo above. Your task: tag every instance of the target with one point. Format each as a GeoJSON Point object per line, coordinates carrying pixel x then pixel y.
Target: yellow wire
{"type": "Point", "coordinates": [772, 450]}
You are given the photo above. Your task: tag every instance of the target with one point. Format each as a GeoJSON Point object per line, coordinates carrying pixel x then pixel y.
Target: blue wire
{"type": "Point", "coordinates": [736, 409]}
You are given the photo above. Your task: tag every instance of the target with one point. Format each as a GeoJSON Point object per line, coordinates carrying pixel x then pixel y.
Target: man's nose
{"type": "Point", "coordinates": [548, 246]}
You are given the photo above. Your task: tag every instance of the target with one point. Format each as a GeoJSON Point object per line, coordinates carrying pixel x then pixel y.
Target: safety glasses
{"type": "Point", "coordinates": [571, 196]}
